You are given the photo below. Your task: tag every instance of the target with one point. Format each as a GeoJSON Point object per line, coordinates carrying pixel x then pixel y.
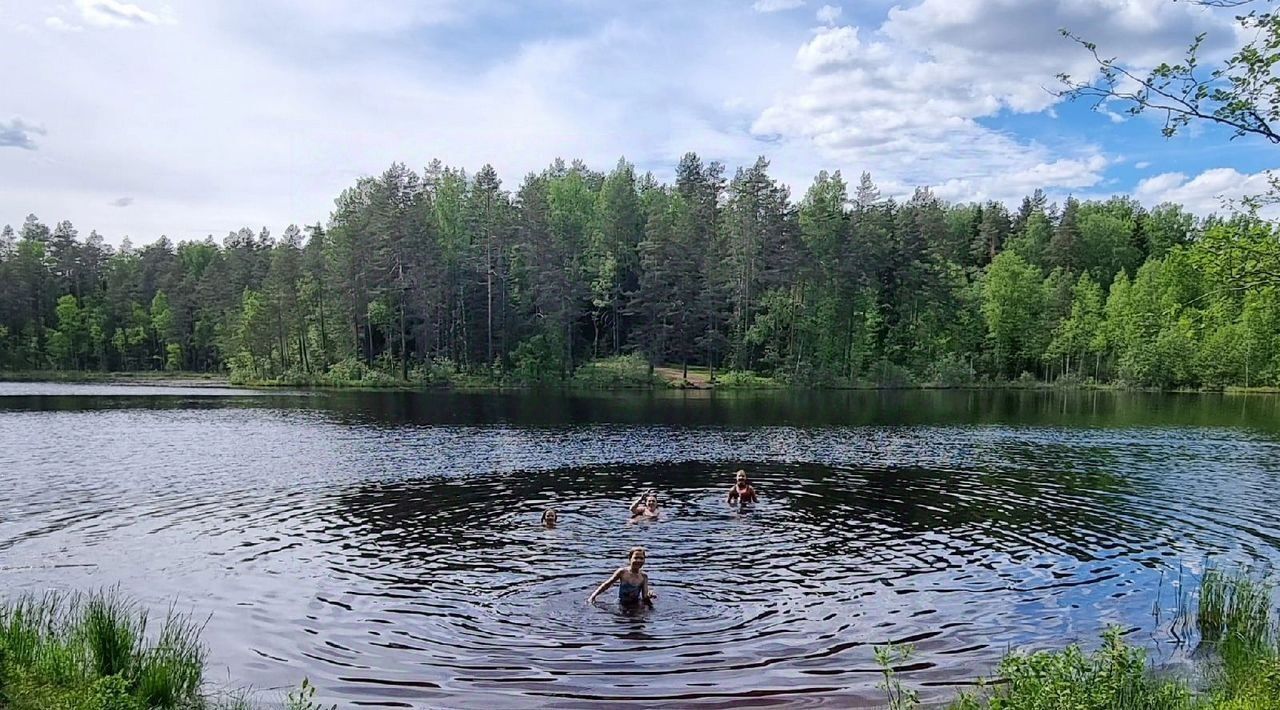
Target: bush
{"type": "Point", "coordinates": [538, 360]}
{"type": "Point", "coordinates": [952, 371]}
{"type": "Point", "coordinates": [741, 379]}
{"type": "Point", "coordinates": [811, 377]}
{"type": "Point", "coordinates": [886, 374]}
{"type": "Point", "coordinates": [1115, 677]}
{"type": "Point", "coordinates": [624, 371]}
{"type": "Point", "coordinates": [348, 370]}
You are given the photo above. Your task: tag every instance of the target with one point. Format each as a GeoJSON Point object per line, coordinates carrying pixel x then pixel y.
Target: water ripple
{"type": "Point", "coordinates": [404, 565]}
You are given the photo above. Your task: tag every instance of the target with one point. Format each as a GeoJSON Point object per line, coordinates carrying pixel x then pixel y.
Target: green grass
{"type": "Point", "coordinates": [622, 372]}
{"type": "Point", "coordinates": [1238, 666]}
{"type": "Point", "coordinates": [741, 379]}
{"type": "Point", "coordinates": [95, 376]}
{"type": "Point", "coordinates": [98, 651]}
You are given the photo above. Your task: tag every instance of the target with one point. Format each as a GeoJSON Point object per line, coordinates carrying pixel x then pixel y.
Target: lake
{"type": "Point", "coordinates": [387, 545]}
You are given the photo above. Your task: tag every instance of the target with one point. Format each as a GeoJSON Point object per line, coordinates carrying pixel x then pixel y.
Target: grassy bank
{"type": "Point", "coordinates": [100, 652]}
{"type": "Point", "coordinates": [148, 377]}
{"type": "Point", "coordinates": [1237, 663]}
{"type": "Point", "coordinates": [628, 372]}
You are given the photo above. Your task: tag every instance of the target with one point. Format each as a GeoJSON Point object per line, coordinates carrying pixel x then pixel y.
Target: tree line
{"type": "Point", "coordinates": [446, 271]}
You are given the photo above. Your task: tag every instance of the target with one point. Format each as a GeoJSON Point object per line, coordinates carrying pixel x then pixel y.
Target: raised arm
{"type": "Point", "coordinates": [603, 587]}
{"type": "Point", "coordinates": [638, 506]}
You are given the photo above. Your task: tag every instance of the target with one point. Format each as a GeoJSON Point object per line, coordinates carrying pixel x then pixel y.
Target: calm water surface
{"type": "Point", "coordinates": [387, 546]}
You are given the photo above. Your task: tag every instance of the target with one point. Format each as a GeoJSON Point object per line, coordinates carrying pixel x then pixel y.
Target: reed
{"type": "Point", "coordinates": [1239, 661]}
{"type": "Point", "coordinates": [91, 651]}
{"type": "Point", "coordinates": [1235, 607]}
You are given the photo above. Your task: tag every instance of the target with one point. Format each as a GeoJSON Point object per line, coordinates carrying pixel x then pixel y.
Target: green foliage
{"type": "Point", "coordinates": [883, 373]}
{"type": "Point", "coordinates": [1014, 308]}
{"type": "Point", "coordinates": [538, 360]}
{"type": "Point", "coordinates": [1235, 607]}
{"type": "Point", "coordinates": [737, 379]}
{"type": "Point", "coordinates": [952, 370]}
{"type": "Point", "coordinates": [1238, 656]}
{"type": "Point", "coordinates": [898, 696]}
{"type": "Point", "coordinates": [304, 698]}
{"type": "Point", "coordinates": [622, 372]}
{"type": "Point", "coordinates": [416, 270]}
{"type": "Point", "coordinates": [93, 652]}
{"type": "Point", "coordinates": [1115, 677]}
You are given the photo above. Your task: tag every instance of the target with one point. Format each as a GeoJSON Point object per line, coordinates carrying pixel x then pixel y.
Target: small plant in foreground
{"type": "Point", "coordinates": [304, 698]}
{"type": "Point", "coordinates": [900, 698]}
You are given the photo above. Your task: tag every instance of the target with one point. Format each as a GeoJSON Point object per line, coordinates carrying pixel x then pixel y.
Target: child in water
{"type": "Point", "coordinates": [549, 518]}
{"type": "Point", "coordinates": [646, 506]}
{"type": "Point", "coordinates": [742, 491]}
{"type": "Point", "coordinates": [633, 585]}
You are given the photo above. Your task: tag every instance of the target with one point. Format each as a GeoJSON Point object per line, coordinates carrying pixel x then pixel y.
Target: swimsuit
{"type": "Point", "coordinates": [629, 593]}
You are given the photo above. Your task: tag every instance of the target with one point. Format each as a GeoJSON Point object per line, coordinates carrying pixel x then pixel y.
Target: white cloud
{"type": "Point", "coordinates": [1142, 164]}
{"type": "Point", "coordinates": [60, 25]}
{"type": "Point", "coordinates": [1112, 115]}
{"type": "Point", "coordinates": [828, 14]}
{"type": "Point", "coordinates": [274, 129]}
{"type": "Point", "coordinates": [914, 99]}
{"type": "Point", "coordinates": [114, 13]}
{"type": "Point", "coordinates": [1210, 191]}
{"type": "Point", "coordinates": [17, 133]}
{"type": "Point", "coordinates": [776, 5]}
{"type": "Point", "coordinates": [221, 120]}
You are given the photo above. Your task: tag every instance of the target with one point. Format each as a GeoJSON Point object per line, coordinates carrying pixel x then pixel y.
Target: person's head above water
{"type": "Point", "coordinates": [549, 517]}
{"type": "Point", "coordinates": [740, 477]}
{"type": "Point", "coordinates": [636, 558]}
{"type": "Point", "coordinates": [651, 502]}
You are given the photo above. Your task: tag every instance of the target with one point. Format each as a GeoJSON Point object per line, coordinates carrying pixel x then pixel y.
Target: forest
{"type": "Point", "coordinates": [424, 276]}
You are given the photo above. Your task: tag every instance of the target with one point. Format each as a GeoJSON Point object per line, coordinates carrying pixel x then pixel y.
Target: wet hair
{"type": "Point", "coordinates": [548, 513]}
{"type": "Point", "coordinates": [739, 472]}
{"type": "Point", "coordinates": [636, 549]}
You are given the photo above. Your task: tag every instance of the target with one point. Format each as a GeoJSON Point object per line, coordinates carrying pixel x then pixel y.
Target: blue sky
{"type": "Point", "coordinates": [190, 118]}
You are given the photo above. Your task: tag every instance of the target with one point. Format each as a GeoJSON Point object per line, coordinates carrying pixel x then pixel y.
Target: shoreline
{"type": "Point", "coordinates": [734, 383]}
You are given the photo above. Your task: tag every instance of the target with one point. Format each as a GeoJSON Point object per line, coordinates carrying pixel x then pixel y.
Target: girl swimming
{"type": "Point", "coordinates": [633, 585]}
{"type": "Point", "coordinates": [549, 518]}
{"type": "Point", "coordinates": [742, 492]}
{"type": "Point", "coordinates": [646, 506]}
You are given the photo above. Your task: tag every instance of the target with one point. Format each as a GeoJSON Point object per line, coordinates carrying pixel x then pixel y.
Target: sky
{"type": "Point", "coordinates": [189, 118]}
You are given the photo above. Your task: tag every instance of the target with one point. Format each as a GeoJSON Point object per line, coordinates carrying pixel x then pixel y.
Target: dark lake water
{"type": "Point", "coordinates": [387, 545]}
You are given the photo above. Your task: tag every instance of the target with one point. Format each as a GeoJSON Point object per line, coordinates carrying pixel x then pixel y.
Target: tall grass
{"type": "Point", "coordinates": [1239, 662]}
{"type": "Point", "coordinates": [1235, 608]}
{"type": "Point", "coordinates": [96, 652]}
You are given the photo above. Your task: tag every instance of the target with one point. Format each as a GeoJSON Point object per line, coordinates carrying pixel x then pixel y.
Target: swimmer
{"type": "Point", "coordinates": [646, 506]}
{"type": "Point", "coordinates": [549, 518]}
{"type": "Point", "coordinates": [633, 585]}
{"type": "Point", "coordinates": [742, 491]}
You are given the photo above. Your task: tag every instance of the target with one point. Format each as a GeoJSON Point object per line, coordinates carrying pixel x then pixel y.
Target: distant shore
{"type": "Point", "coordinates": [595, 376]}
{"type": "Point", "coordinates": [152, 378]}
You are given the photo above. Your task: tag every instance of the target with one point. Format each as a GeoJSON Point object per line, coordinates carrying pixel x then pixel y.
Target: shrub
{"type": "Point", "coordinates": [1115, 677]}
{"type": "Point", "coordinates": [741, 379]}
{"type": "Point", "coordinates": [623, 371]}
{"type": "Point", "coordinates": [952, 370]}
{"type": "Point", "coordinates": [886, 374]}
{"type": "Point", "coordinates": [538, 359]}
